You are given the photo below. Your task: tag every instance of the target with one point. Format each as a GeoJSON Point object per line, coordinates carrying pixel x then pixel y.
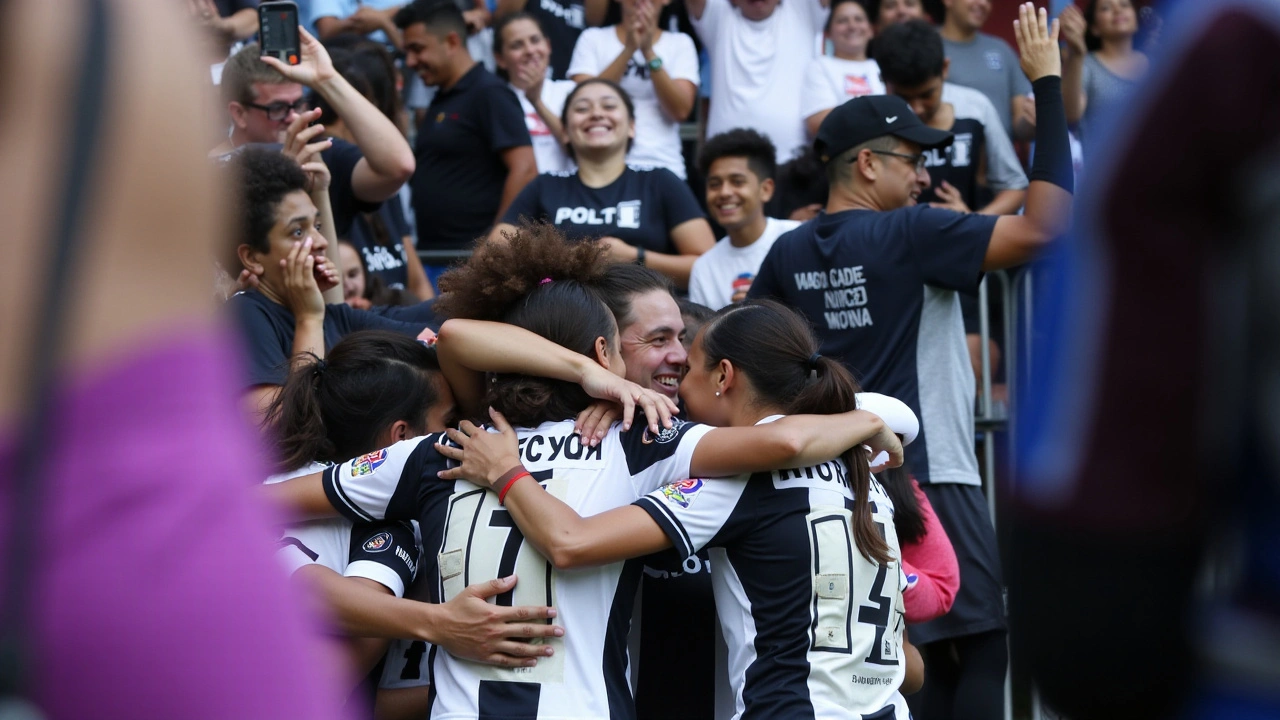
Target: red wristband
{"type": "Point", "coordinates": [516, 473]}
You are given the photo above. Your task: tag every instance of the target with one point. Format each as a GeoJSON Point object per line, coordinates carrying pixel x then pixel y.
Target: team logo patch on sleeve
{"type": "Point", "coordinates": [378, 542]}
{"type": "Point", "coordinates": [366, 464]}
{"type": "Point", "coordinates": [682, 493]}
{"type": "Point", "coordinates": [665, 435]}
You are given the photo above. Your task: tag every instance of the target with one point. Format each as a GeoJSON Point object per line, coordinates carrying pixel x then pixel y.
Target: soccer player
{"type": "Point", "coordinates": [805, 561]}
{"type": "Point", "coordinates": [583, 675]}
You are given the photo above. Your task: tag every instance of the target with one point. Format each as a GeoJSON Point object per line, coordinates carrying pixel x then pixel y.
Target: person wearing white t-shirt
{"type": "Point", "coordinates": [523, 53]}
{"type": "Point", "coordinates": [739, 166]}
{"type": "Point", "coordinates": [832, 80]}
{"type": "Point", "coordinates": [759, 51]}
{"type": "Point", "coordinates": [658, 68]}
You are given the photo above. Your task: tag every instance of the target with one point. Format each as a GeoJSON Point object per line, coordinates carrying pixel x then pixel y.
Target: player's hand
{"type": "Point", "coordinates": [949, 198]}
{"type": "Point", "coordinates": [483, 457]}
{"type": "Point", "coordinates": [302, 294]}
{"type": "Point", "coordinates": [1037, 42]}
{"type": "Point", "coordinates": [314, 66]}
{"type": "Point", "coordinates": [471, 628]}
{"type": "Point", "coordinates": [604, 385]}
{"type": "Point", "coordinates": [885, 442]}
{"type": "Point", "coordinates": [593, 423]}
{"type": "Point", "coordinates": [1073, 30]}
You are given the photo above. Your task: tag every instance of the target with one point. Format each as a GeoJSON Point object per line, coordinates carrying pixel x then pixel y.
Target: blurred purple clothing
{"type": "Point", "coordinates": [157, 595]}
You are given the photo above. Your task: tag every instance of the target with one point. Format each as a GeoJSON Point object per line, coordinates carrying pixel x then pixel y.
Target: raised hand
{"type": "Point", "coordinates": [314, 65]}
{"type": "Point", "coordinates": [1073, 30]}
{"type": "Point", "coordinates": [1037, 42]}
{"type": "Point", "coordinates": [483, 457]}
{"type": "Point", "coordinates": [302, 294]}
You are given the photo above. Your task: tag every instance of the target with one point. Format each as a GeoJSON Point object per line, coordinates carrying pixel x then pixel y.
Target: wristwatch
{"type": "Point", "coordinates": [655, 64]}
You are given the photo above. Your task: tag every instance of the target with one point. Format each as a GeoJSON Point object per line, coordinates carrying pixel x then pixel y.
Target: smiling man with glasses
{"type": "Point", "coordinates": [879, 276]}
{"type": "Point", "coordinates": [263, 99]}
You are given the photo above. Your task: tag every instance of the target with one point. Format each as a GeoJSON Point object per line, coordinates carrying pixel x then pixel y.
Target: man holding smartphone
{"type": "Point", "coordinates": [264, 96]}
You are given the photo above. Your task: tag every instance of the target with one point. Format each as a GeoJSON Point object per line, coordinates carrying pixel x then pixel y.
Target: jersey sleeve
{"type": "Point", "coordinates": [505, 123]}
{"type": "Point", "coordinates": [386, 553]}
{"type": "Point", "coordinates": [682, 60]}
{"type": "Point", "coordinates": [655, 460]}
{"type": "Point", "coordinates": [693, 512]}
{"type": "Point", "coordinates": [295, 551]}
{"type": "Point", "coordinates": [406, 665]}
{"type": "Point", "coordinates": [384, 484]}
{"type": "Point", "coordinates": [767, 283]}
{"type": "Point", "coordinates": [949, 247]}
{"type": "Point", "coordinates": [585, 51]}
{"type": "Point", "coordinates": [267, 356]}
{"type": "Point", "coordinates": [527, 204]}
{"type": "Point", "coordinates": [817, 94]}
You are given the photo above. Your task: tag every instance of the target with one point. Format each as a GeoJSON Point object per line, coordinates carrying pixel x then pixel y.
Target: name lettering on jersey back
{"type": "Point", "coordinates": [844, 295]}
{"type": "Point", "coordinates": [625, 215]}
{"type": "Point", "coordinates": [549, 448]}
{"type": "Point", "coordinates": [830, 475]}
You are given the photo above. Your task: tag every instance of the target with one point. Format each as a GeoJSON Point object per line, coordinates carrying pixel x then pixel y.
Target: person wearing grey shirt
{"type": "Point", "coordinates": [1100, 65]}
{"type": "Point", "coordinates": [987, 64]}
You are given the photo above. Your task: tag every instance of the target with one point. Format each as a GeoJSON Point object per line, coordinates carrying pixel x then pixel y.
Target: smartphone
{"type": "Point", "coordinates": [278, 31]}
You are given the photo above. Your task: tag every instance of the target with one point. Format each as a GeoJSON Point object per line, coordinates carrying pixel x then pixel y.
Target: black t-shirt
{"type": "Point", "coordinates": [379, 236]}
{"type": "Point", "coordinates": [268, 327]}
{"type": "Point", "coordinates": [877, 288]}
{"type": "Point", "coordinates": [641, 207]}
{"type": "Point", "coordinates": [457, 188]}
{"type": "Point", "coordinates": [958, 164]}
{"type": "Point", "coordinates": [341, 158]}
{"type": "Point", "coordinates": [562, 22]}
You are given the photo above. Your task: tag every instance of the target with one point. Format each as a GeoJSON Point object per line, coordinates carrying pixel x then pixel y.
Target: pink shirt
{"type": "Point", "coordinates": [157, 594]}
{"type": "Point", "coordinates": [933, 574]}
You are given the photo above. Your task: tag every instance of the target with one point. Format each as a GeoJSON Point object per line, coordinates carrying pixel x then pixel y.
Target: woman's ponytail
{"type": "Point", "coordinates": [295, 415]}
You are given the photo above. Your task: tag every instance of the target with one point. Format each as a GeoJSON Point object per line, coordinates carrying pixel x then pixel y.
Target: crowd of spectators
{"type": "Point", "coordinates": [412, 131]}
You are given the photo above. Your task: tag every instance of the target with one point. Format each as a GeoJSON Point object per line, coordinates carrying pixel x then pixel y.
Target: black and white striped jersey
{"type": "Point", "coordinates": [470, 538]}
{"type": "Point", "coordinates": [814, 629]}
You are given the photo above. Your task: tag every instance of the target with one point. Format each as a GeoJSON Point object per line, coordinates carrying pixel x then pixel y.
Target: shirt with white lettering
{"type": "Point", "coordinates": [727, 270]}
{"type": "Point", "coordinates": [657, 142]}
{"type": "Point", "coordinates": [832, 81]}
{"type": "Point", "coordinates": [813, 628]}
{"type": "Point", "coordinates": [470, 538]}
{"type": "Point", "coordinates": [640, 208]}
{"type": "Point", "coordinates": [548, 153]}
{"type": "Point", "coordinates": [881, 291]}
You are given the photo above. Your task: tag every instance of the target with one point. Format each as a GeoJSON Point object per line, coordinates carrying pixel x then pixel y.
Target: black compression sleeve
{"type": "Point", "coordinates": [1053, 148]}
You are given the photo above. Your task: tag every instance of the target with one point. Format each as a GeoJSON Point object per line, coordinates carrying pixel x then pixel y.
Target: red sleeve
{"type": "Point", "coordinates": [932, 562]}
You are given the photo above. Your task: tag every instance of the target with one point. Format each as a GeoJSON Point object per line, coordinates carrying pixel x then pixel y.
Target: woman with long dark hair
{"type": "Point", "coordinates": [540, 284]}
{"type": "Point", "coordinates": [648, 217]}
{"type": "Point", "coordinates": [805, 559]}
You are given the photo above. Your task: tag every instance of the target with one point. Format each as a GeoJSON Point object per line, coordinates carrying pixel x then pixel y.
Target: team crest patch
{"type": "Point", "coordinates": [378, 542]}
{"type": "Point", "coordinates": [665, 435]}
{"type": "Point", "coordinates": [682, 493]}
{"type": "Point", "coordinates": [366, 464]}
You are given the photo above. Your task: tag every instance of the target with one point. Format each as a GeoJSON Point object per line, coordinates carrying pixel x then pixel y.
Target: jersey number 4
{"type": "Point", "coordinates": [839, 574]}
{"type": "Point", "coordinates": [481, 542]}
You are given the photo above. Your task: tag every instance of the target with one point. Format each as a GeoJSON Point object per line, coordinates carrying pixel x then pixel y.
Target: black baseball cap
{"type": "Point", "coordinates": [872, 116]}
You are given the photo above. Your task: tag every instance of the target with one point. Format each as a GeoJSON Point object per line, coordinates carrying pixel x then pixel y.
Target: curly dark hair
{"type": "Point", "coordinates": [910, 54]}
{"type": "Point", "coordinates": [536, 280]}
{"type": "Point", "coordinates": [744, 143]}
{"type": "Point", "coordinates": [262, 179]}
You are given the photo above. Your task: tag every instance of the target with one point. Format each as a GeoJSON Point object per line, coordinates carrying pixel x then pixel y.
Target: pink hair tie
{"type": "Point", "coordinates": [545, 281]}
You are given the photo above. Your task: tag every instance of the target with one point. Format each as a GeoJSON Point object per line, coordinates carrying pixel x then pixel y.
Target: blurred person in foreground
{"type": "Point", "coordinates": [879, 277]}
{"type": "Point", "coordinates": [132, 557]}
{"type": "Point", "coordinates": [1182, 356]}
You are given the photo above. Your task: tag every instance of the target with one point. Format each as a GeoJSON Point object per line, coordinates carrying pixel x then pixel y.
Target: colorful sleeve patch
{"type": "Point", "coordinates": [683, 492]}
{"type": "Point", "coordinates": [366, 464]}
{"type": "Point", "coordinates": [378, 542]}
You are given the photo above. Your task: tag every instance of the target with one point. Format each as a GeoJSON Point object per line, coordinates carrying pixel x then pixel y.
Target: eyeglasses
{"type": "Point", "coordinates": [916, 160]}
{"type": "Point", "coordinates": [278, 111]}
